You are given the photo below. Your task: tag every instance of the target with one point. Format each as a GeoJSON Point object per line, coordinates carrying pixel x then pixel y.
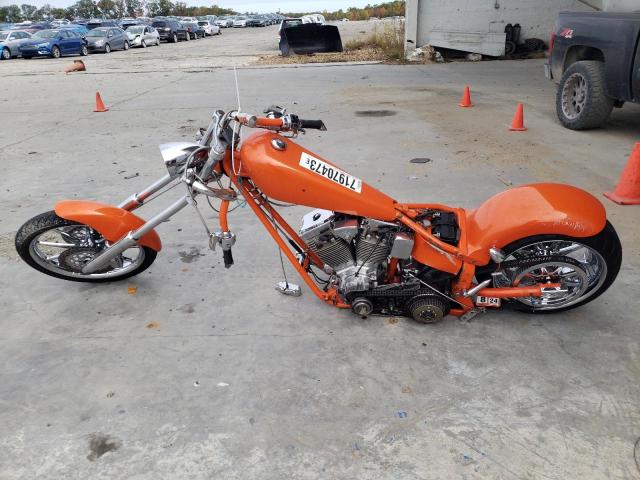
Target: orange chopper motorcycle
{"type": "Point", "coordinates": [538, 248]}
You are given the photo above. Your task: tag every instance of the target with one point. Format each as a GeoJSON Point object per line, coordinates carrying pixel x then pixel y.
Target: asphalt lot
{"type": "Point", "coordinates": [210, 373]}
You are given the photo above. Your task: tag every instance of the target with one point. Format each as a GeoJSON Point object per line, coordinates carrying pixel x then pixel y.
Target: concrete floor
{"type": "Point", "coordinates": [209, 373]}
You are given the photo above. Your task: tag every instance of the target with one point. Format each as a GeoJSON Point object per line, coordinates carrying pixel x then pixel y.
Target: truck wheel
{"type": "Point", "coordinates": [581, 101]}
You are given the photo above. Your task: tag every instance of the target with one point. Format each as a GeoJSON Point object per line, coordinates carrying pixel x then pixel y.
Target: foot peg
{"type": "Point", "coordinates": [291, 289]}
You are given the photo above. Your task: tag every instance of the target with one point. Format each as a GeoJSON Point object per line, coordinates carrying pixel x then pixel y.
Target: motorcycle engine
{"type": "Point", "coordinates": [355, 248]}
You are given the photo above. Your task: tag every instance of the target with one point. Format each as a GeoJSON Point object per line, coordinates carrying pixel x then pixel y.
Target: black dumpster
{"type": "Point", "coordinates": [310, 38]}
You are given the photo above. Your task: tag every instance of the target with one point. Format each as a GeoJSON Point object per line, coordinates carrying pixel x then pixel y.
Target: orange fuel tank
{"type": "Point", "coordinates": [285, 171]}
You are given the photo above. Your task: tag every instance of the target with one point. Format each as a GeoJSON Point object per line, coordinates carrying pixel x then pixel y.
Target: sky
{"type": "Point", "coordinates": [240, 6]}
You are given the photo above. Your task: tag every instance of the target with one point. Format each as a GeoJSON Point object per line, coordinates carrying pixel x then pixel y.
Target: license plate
{"type": "Point", "coordinates": [330, 172]}
{"type": "Point", "coordinates": [487, 301]}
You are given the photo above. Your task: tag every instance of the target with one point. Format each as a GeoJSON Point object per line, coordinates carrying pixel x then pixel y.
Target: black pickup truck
{"type": "Point", "coordinates": [595, 58]}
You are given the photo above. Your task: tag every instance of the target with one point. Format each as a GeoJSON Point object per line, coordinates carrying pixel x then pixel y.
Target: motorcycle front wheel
{"type": "Point", "coordinates": [584, 267]}
{"type": "Point", "coordinates": [60, 248]}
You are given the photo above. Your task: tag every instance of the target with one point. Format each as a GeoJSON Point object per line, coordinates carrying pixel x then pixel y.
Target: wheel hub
{"type": "Point", "coordinates": [75, 259]}
{"type": "Point", "coordinates": [577, 268]}
{"type": "Point", "coordinates": [574, 96]}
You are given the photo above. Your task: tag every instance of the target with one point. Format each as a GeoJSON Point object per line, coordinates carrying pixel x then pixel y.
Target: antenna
{"type": "Point", "coordinates": [235, 74]}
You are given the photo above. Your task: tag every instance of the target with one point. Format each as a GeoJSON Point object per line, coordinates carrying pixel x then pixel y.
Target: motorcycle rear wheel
{"type": "Point", "coordinates": [585, 268]}
{"type": "Point", "coordinates": [60, 248]}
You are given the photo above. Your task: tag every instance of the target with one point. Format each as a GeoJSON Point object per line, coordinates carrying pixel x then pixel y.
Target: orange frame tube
{"type": "Point", "coordinates": [258, 206]}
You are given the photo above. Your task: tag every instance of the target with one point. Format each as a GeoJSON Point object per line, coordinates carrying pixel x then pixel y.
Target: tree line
{"type": "Point", "coordinates": [137, 8]}
{"type": "Point", "coordinates": [107, 9]}
{"type": "Point", "coordinates": [379, 10]}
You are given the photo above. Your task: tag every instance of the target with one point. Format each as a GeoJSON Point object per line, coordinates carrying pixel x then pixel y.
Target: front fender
{"type": "Point", "coordinates": [537, 209]}
{"type": "Point", "coordinates": [113, 223]}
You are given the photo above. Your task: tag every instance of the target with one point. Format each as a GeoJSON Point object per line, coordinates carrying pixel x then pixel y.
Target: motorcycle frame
{"type": "Point", "coordinates": [463, 288]}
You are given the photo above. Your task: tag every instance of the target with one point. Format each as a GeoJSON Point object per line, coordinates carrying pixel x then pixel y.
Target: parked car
{"type": "Point", "coordinates": [142, 36]}
{"type": "Point", "coordinates": [35, 27]}
{"type": "Point", "coordinates": [209, 27]}
{"type": "Point", "coordinates": [170, 30]}
{"type": "Point", "coordinates": [240, 22]}
{"type": "Point", "coordinates": [10, 43]}
{"type": "Point", "coordinates": [94, 23]}
{"type": "Point", "coordinates": [256, 21]}
{"type": "Point", "coordinates": [107, 39]}
{"type": "Point", "coordinates": [313, 18]}
{"type": "Point", "coordinates": [194, 30]}
{"type": "Point", "coordinates": [79, 29]}
{"type": "Point", "coordinates": [224, 22]}
{"type": "Point", "coordinates": [126, 23]}
{"type": "Point", "coordinates": [53, 43]}
{"type": "Point", "coordinates": [593, 58]}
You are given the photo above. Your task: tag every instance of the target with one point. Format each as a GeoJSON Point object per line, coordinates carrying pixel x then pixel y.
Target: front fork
{"type": "Point", "coordinates": [225, 238]}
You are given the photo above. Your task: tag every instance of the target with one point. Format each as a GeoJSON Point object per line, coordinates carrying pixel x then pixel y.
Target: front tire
{"type": "Point", "coordinates": [126, 45]}
{"type": "Point", "coordinates": [581, 101]}
{"type": "Point", "coordinates": [107, 48]}
{"type": "Point", "coordinates": [60, 248]}
{"type": "Point", "coordinates": [6, 54]}
{"type": "Point", "coordinates": [585, 268]}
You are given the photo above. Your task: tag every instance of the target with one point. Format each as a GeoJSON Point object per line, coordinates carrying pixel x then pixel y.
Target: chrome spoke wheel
{"type": "Point", "coordinates": [579, 269]}
{"type": "Point", "coordinates": [574, 96]}
{"type": "Point", "coordinates": [65, 250]}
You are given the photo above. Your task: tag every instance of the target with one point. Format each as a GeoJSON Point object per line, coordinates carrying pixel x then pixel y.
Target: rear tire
{"type": "Point", "coordinates": [581, 101]}
{"type": "Point", "coordinates": [6, 54]}
{"type": "Point", "coordinates": [84, 51]}
{"type": "Point", "coordinates": [606, 244]}
{"type": "Point", "coordinates": [175, 38]}
{"type": "Point", "coordinates": [55, 52]}
{"type": "Point", "coordinates": [32, 229]}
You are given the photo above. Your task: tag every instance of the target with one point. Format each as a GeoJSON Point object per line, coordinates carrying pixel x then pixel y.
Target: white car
{"type": "Point", "coordinates": [209, 27]}
{"type": "Point", "coordinates": [10, 42]}
{"type": "Point", "coordinates": [142, 36]}
{"type": "Point", "coordinates": [224, 22]}
{"type": "Point", "coordinates": [240, 22]}
{"type": "Point", "coordinates": [313, 18]}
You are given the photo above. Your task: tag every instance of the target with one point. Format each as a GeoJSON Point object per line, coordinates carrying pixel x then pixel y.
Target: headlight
{"type": "Point", "coordinates": [42, 45]}
{"type": "Point", "coordinates": [99, 43]}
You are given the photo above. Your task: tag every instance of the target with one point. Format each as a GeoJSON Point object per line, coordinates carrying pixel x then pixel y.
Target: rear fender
{"type": "Point", "coordinates": [113, 223]}
{"type": "Point", "coordinates": [537, 209]}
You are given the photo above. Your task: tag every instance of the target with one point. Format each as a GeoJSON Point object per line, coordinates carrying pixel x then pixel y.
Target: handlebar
{"type": "Point", "coordinates": [313, 124]}
{"type": "Point", "coordinates": [282, 124]}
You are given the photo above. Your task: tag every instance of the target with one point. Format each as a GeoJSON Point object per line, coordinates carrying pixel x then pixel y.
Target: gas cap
{"type": "Point", "coordinates": [278, 144]}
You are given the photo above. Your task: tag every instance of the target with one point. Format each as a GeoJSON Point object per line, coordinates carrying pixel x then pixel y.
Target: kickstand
{"type": "Point", "coordinates": [285, 287]}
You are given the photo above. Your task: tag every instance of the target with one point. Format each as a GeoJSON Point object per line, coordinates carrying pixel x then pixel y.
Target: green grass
{"type": "Point", "coordinates": [389, 39]}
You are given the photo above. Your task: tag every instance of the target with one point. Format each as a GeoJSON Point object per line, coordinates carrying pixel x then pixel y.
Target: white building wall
{"type": "Point", "coordinates": [478, 25]}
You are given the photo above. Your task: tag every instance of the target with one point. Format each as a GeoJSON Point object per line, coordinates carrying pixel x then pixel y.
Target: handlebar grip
{"type": "Point", "coordinates": [228, 258]}
{"type": "Point", "coordinates": [253, 121]}
{"type": "Point", "coordinates": [268, 122]}
{"type": "Point", "coordinates": [313, 124]}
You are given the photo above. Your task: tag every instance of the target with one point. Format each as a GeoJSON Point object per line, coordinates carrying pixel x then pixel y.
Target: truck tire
{"type": "Point", "coordinates": [581, 101]}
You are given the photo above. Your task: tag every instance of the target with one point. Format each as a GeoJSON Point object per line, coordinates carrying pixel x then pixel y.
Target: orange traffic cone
{"type": "Point", "coordinates": [465, 101]}
{"type": "Point", "coordinates": [627, 191]}
{"type": "Point", "coordinates": [518, 120]}
{"type": "Point", "coordinates": [100, 104]}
